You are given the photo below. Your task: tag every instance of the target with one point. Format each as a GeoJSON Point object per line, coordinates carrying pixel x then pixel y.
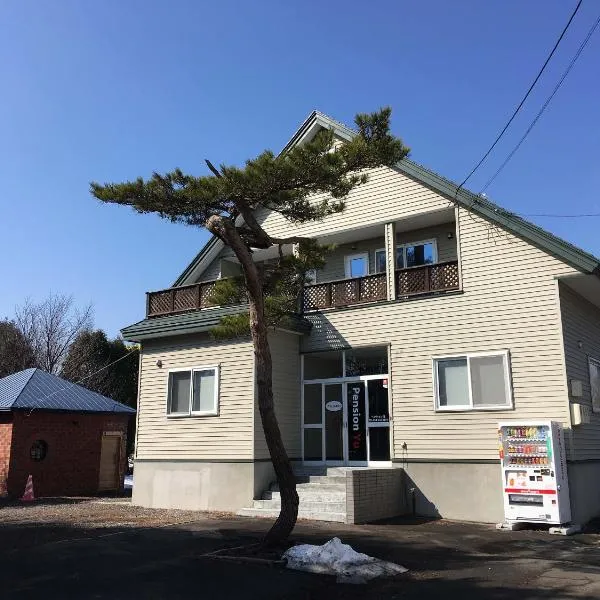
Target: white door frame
{"type": "Point", "coordinates": [343, 381]}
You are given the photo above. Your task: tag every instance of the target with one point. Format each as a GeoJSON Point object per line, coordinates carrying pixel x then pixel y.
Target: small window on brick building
{"type": "Point", "coordinates": [38, 450]}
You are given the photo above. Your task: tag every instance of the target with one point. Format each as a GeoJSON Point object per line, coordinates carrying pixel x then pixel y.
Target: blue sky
{"type": "Point", "coordinates": [111, 90]}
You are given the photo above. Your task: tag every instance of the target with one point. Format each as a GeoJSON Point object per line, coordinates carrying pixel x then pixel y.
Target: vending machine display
{"type": "Point", "coordinates": [534, 472]}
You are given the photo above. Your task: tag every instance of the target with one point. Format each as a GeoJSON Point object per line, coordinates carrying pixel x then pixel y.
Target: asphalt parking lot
{"type": "Point", "coordinates": [82, 548]}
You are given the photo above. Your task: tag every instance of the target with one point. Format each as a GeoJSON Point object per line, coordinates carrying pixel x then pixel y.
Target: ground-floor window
{"type": "Point", "coordinates": [345, 407]}
{"type": "Point", "coordinates": [478, 381]}
{"type": "Point", "coordinates": [193, 392]}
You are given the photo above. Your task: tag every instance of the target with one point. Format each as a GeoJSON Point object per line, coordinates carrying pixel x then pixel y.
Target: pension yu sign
{"type": "Point", "coordinates": [357, 433]}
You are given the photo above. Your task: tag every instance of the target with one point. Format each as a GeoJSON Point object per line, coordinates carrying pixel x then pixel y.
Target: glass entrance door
{"type": "Point", "coordinates": [346, 422]}
{"type": "Point", "coordinates": [334, 423]}
{"type": "Point", "coordinates": [378, 421]}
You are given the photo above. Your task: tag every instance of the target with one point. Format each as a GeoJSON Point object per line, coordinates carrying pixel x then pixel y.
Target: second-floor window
{"type": "Point", "coordinates": [414, 254]}
{"type": "Point", "coordinates": [357, 265]}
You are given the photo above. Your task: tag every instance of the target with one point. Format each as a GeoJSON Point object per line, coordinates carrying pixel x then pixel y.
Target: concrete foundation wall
{"type": "Point", "coordinates": [465, 492]}
{"type": "Point", "coordinates": [374, 494]}
{"type": "Point", "coordinates": [264, 476]}
{"type": "Point", "coordinates": [584, 489]}
{"type": "Point", "coordinates": [193, 485]}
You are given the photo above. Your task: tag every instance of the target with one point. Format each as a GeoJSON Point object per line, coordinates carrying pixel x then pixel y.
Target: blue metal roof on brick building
{"type": "Point", "coordinates": [36, 389]}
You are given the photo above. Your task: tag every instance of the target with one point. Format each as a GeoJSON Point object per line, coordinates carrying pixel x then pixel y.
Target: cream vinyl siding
{"type": "Point", "coordinates": [215, 269]}
{"type": "Point", "coordinates": [335, 267]}
{"type": "Point", "coordinates": [388, 196]}
{"type": "Point", "coordinates": [212, 271]}
{"type": "Point", "coordinates": [228, 436]}
{"type": "Point", "coordinates": [285, 352]}
{"type": "Point", "coordinates": [581, 323]}
{"type": "Point", "coordinates": [509, 302]}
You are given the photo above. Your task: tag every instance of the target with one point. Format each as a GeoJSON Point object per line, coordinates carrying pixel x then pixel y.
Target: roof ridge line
{"type": "Point", "coordinates": [33, 370]}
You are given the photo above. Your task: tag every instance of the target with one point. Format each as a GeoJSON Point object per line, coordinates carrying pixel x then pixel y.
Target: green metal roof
{"type": "Point", "coordinates": [569, 253]}
{"type": "Point", "coordinates": [199, 321]}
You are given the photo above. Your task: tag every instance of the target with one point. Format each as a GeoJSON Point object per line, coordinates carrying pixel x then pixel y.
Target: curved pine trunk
{"type": "Point", "coordinates": [286, 521]}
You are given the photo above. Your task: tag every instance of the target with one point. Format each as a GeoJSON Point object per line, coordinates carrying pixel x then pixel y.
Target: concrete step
{"type": "Point", "coordinates": [311, 495]}
{"type": "Point", "coordinates": [325, 479]}
{"type": "Point", "coordinates": [302, 514]}
{"type": "Point", "coordinates": [329, 507]}
{"type": "Point", "coordinates": [322, 488]}
{"type": "Point", "coordinates": [329, 471]}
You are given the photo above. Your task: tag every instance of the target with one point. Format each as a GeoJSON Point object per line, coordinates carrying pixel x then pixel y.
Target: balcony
{"type": "Point", "coordinates": [179, 299]}
{"type": "Point", "coordinates": [413, 281]}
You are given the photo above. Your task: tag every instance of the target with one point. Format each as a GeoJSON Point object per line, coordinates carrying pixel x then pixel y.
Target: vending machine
{"type": "Point", "coordinates": [534, 472]}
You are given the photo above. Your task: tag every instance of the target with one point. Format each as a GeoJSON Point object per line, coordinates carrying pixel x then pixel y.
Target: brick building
{"type": "Point", "coordinates": [70, 439]}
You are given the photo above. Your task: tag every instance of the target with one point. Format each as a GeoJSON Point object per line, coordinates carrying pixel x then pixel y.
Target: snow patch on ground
{"type": "Point", "coordinates": [336, 558]}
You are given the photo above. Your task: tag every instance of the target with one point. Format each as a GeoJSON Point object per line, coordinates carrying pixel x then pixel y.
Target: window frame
{"type": "Point", "coordinates": [595, 402]}
{"type": "Point", "coordinates": [193, 413]}
{"type": "Point", "coordinates": [470, 407]}
{"type": "Point", "coordinates": [347, 261]}
{"type": "Point", "coordinates": [433, 243]}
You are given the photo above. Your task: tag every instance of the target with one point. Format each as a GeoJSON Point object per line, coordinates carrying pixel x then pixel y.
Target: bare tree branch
{"type": "Point", "coordinates": [50, 327]}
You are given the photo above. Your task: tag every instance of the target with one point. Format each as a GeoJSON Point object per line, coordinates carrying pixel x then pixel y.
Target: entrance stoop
{"type": "Point", "coordinates": [322, 493]}
{"type": "Point", "coordinates": [334, 494]}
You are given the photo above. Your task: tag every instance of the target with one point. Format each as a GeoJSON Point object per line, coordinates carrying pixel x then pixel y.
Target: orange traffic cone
{"type": "Point", "coordinates": [28, 494]}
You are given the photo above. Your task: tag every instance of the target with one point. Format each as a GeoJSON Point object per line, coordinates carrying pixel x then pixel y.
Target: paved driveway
{"type": "Point", "coordinates": [84, 549]}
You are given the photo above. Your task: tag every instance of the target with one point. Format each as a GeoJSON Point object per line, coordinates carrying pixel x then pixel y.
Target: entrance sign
{"type": "Point", "coordinates": [357, 430]}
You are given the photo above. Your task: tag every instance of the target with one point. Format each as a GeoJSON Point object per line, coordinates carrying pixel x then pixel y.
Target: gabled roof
{"type": "Point", "coordinates": [199, 321]}
{"type": "Point", "coordinates": [36, 389]}
{"type": "Point", "coordinates": [522, 228]}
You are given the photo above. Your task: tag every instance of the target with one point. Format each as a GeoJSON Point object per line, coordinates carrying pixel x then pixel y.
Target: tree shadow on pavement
{"type": "Point", "coordinates": [57, 560]}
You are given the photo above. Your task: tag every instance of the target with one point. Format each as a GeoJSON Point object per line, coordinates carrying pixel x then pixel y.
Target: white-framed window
{"type": "Point", "coordinates": [414, 254]}
{"type": "Point", "coordinates": [477, 381]}
{"type": "Point", "coordinates": [594, 368]}
{"type": "Point", "coordinates": [193, 392]}
{"type": "Point", "coordinates": [356, 265]}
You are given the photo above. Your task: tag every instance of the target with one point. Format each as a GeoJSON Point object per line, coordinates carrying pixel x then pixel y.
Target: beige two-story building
{"type": "Point", "coordinates": [437, 315]}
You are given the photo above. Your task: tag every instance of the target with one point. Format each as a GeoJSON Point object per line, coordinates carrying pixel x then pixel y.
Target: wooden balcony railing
{"type": "Point", "coordinates": [439, 277]}
{"type": "Point", "coordinates": [372, 288]}
{"type": "Point", "coordinates": [179, 299]}
{"type": "Point", "coordinates": [345, 292]}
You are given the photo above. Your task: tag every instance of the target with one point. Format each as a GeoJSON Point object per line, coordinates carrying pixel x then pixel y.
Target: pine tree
{"type": "Point", "coordinates": [16, 353]}
{"type": "Point", "coordinates": [226, 203]}
{"type": "Point", "coordinates": [87, 362]}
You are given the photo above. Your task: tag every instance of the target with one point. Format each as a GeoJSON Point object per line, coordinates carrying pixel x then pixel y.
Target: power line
{"type": "Point", "coordinates": [558, 216]}
{"type": "Point", "coordinates": [524, 98]}
{"type": "Point", "coordinates": [545, 105]}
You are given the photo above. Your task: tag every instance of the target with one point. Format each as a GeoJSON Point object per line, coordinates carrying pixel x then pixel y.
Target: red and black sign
{"type": "Point", "coordinates": [357, 432]}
